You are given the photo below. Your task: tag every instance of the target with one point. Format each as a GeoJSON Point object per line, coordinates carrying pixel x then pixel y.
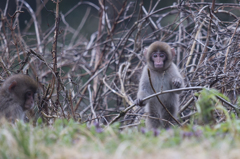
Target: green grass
{"type": "Point", "coordinates": [71, 140]}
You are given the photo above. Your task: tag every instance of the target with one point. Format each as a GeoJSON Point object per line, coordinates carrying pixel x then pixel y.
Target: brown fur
{"type": "Point", "coordinates": [13, 100]}
{"type": "Point", "coordinates": [165, 78]}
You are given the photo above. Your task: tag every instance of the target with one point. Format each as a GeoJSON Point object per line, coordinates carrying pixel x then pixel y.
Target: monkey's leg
{"type": "Point", "coordinates": [153, 121]}
{"type": "Point", "coordinates": [165, 115]}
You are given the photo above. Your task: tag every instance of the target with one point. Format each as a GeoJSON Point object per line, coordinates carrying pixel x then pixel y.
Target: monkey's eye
{"type": "Point", "coordinates": [155, 55]}
{"type": "Point", "coordinates": [28, 94]}
{"type": "Point", "coordinates": [162, 55]}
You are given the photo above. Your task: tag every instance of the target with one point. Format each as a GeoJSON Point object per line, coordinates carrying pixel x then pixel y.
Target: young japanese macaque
{"type": "Point", "coordinates": [17, 96]}
{"type": "Point", "coordinates": [164, 76]}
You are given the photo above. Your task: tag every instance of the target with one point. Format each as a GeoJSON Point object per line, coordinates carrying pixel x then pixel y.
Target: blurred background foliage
{"type": "Point", "coordinates": [47, 17]}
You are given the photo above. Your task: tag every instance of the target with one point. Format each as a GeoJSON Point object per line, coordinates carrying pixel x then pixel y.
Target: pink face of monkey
{"type": "Point", "coordinates": [159, 59]}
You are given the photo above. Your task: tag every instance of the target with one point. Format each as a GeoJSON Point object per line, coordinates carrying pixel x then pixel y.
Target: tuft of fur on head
{"type": "Point", "coordinates": [24, 80]}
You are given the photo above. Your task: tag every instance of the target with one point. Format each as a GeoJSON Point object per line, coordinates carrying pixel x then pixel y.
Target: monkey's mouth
{"type": "Point", "coordinates": [158, 65]}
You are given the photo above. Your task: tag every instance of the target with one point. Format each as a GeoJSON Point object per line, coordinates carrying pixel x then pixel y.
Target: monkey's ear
{"type": "Point", "coordinates": [173, 52]}
{"type": "Point", "coordinates": [12, 86]}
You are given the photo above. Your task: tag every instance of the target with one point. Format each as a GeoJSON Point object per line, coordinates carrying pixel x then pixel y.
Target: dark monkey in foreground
{"type": "Point", "coordinates": [17, 96]}
{"type": "Point", "coordinates": [164, 76]}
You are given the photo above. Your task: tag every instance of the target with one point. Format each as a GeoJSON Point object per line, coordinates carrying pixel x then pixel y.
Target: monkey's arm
{"type": "Point", "coordinates": [143, 89]}
{"type": "Point", "coordinates": [141, 94]}
{"type": "Point", "coordinates": [177, 80]}
{"type": "Point", "coordinates": [14, 112]}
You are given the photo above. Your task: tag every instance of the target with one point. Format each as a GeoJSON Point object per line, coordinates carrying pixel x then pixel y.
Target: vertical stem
{"type": "Point", "coordinates": [179, 34]}
{"type": "Point", "coordinates": [54, 47]}
{"type": "Point", "coordinates": [208, 33]}
{"type": "Point", "coordinates": [98, 50]}
{"type": "Point", "coordinates": [54, 55]}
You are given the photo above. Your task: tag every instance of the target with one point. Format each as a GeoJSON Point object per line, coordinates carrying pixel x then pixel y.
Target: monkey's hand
{"type": "Point", "coordinates": [177, 82]}
{"type": "Point", "coordinates": [139, 102]}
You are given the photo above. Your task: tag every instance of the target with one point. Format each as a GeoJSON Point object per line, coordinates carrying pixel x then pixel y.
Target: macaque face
{"type": "Point", "coordinates": [22, 92]}
{"type": "Point", "coordinates": [16, 96]}
{"type": "Point", "coordinates": [29, 100]}
{"type": "Point", "coordinates": [158, 59]}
